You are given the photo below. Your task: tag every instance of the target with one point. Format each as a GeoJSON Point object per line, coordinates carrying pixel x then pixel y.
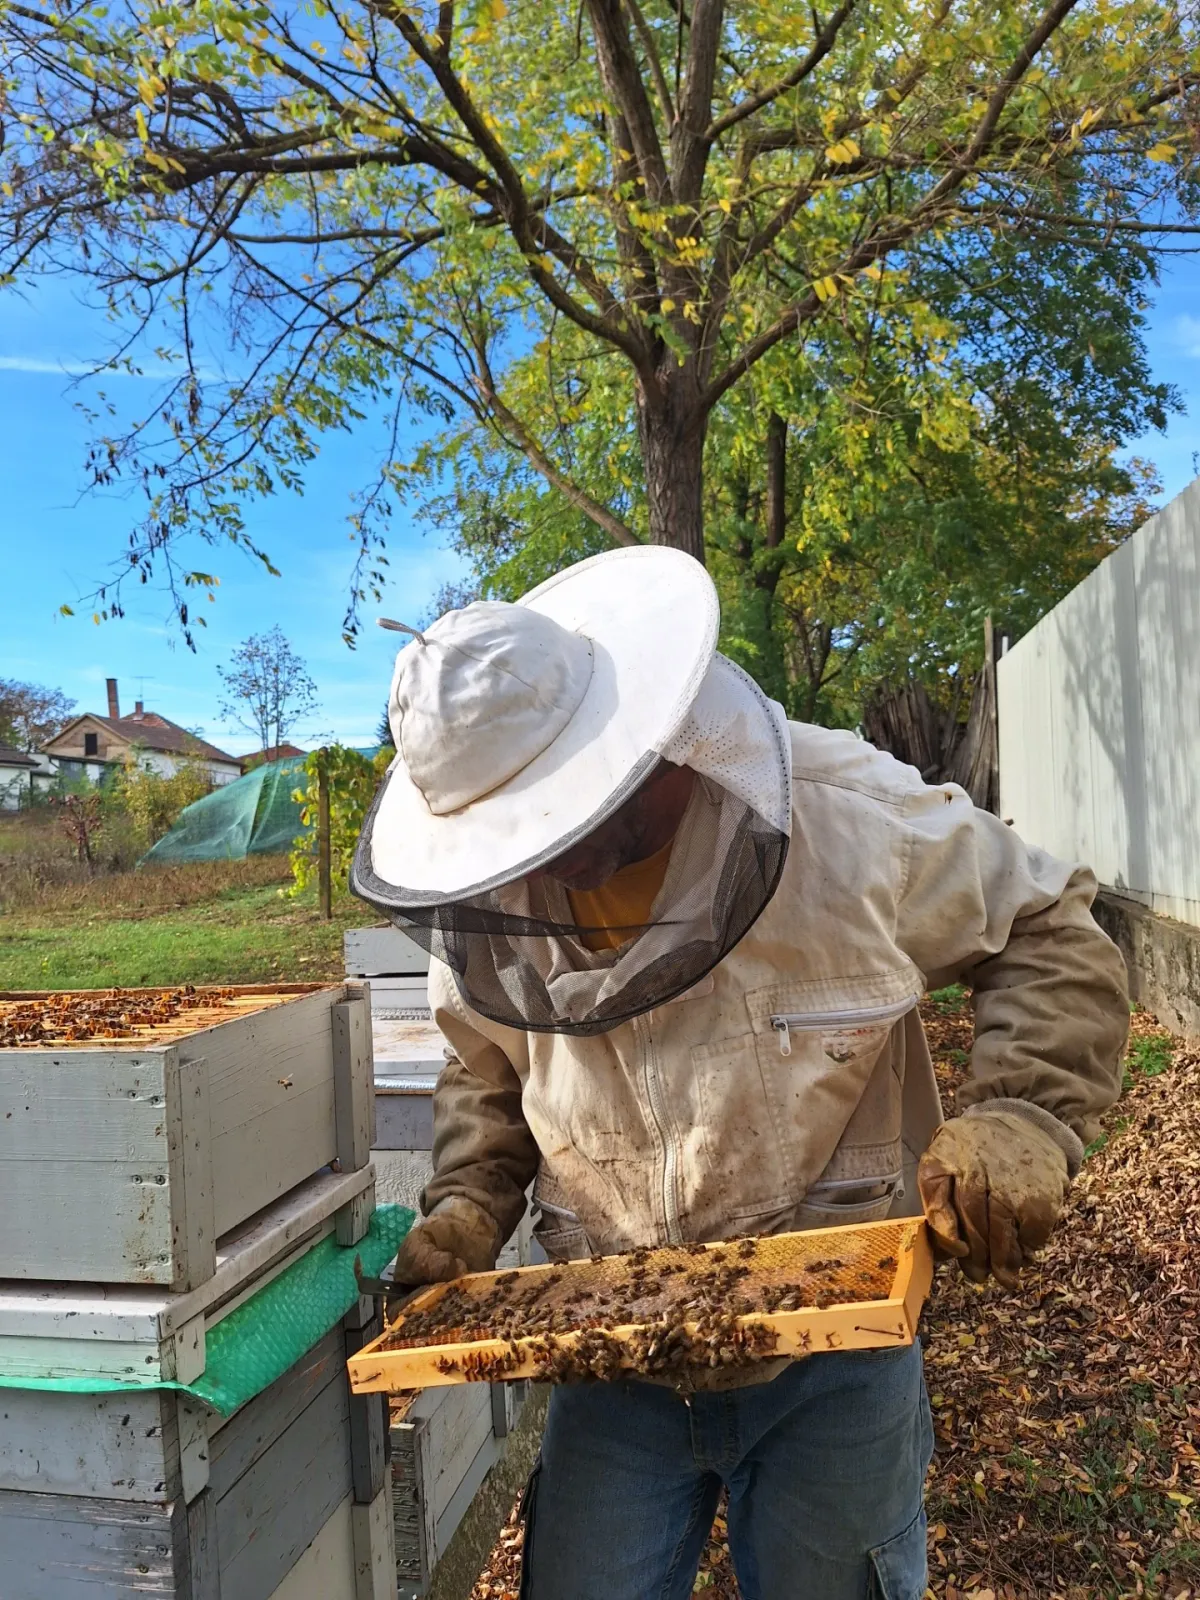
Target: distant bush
{"type": "Point", "coordinates": [152, 801]}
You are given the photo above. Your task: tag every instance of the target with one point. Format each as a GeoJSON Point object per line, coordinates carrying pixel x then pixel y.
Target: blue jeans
{"type": "Point", "coordinates": [825, 1469]}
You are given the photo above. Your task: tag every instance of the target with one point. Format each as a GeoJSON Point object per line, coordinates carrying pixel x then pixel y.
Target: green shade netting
{"type": "Point", "coordinates": [267, 1334]}
{"type": "Point", "coordinates": [254, 815]}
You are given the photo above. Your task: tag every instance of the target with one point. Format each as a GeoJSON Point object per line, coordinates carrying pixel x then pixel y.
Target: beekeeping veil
{"type": "Point", "coordinates": [519, 729]}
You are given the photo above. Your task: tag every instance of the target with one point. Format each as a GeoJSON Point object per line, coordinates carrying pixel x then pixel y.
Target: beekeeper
{"type": "Point", "coordinates": [679, 946]}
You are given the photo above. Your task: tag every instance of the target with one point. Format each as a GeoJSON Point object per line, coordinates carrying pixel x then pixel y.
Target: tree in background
{"type": "Point", "coordinates": [953, 455]}
{"type": "Point", "coordinates": [267, 688]}
{"type": "Point", "coordinates": [674, 205]}
{"type": "Point", "coordinates": [31, 714]}
{"type": "Point", "coordinates": [151, 801]}
{"type": "Point", "coordinates": [81, 816]}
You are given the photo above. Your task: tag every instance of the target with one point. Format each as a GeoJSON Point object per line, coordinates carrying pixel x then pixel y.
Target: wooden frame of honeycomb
{"type": "Point", "coordinates": [663, 1313]}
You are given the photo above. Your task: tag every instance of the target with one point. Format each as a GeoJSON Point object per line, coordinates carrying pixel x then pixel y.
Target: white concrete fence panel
{"type": "Point", "coordinates": [1099, 710]}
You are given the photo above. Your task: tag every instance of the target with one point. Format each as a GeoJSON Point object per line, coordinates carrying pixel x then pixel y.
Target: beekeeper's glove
{"type": "Point", "coordinates": [455, 1238]}
{"type": "Point", "coordinates": [993, 1185]}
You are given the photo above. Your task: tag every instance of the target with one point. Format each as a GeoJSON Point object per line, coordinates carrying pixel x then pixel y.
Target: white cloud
{"type": "Point", "coordinates": [82, 369]}
{"type": "Point", "coordinates": [1188, 329]}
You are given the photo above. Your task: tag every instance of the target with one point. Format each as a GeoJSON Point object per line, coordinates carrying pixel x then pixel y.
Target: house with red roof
{"type": "Point", "coordinates": [91, 744]}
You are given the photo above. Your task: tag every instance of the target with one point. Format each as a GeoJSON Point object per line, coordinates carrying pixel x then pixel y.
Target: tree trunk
{"type": "Point", "coordinates": [672, 433]}
{"type": "Point", "coordinates": [776, 480]}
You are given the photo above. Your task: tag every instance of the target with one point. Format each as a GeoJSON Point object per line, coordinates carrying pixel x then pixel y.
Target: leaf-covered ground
{"type": "Point", "coordinates": [1067, 1414]}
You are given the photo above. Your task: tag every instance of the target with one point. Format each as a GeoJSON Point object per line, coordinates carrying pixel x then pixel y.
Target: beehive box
{"type": "Point", "coordinates": [147, 1491]}
{"type": "Point", "coordinates": [396, 965]}
{"type": "Point", "coordinates": [138, 1127]}
{"type": "Point", "coordinates": [150, 1494]}
{"type": "Point", "coordinates": [661, 1312]}
{"type": "Point", "coordinates": [444, 1442]}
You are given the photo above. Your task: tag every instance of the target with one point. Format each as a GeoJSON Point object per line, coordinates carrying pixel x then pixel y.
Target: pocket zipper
{"type": "Point", "coordinates": [814, 1021]}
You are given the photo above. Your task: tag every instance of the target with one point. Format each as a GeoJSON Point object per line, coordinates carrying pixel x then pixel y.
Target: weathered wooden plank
{"type": "Point", "coordinates": [238, 1442]}
{"type": "Point", "coordinates": [269, 1517]}
{"type": "Point", "coordinates": [407, 1048]}
{"type": "Point", "coordinates": [192, 1423]}
{"type": "Point", "coordinates": [272, 1102]}
{"type": "Point", "coordinates": [193, 1205]}
{"type": "Point", "coordinates": [85, 1165]}
{"type": "Point", "coordinates": [204, 1555]}
{"type": "Point", "coordinates": [59, 1547]}
{"type": "Point", "coordinates": [326, 1569]}
{"type": "Point", "coordinates": [456, 1507]}
{"type": "Point", "coordinates": [374, 1549]}
{"type": "Point", "coordinates": [31, 1357]}
{"type": "Point", "coordinates": [368, 1425]}
{"type": "Point", "coordinates": [412, 1518]}
{"type": "Point", "coordinates": [398, 994]}
{"type": "Point", "coordinates": [368, 951]}
{"type": "Point", "coordinates": [353, 1083]}
{"type": "Point", "coordinates": [456, 1434]}
{"type": "Point", "coordinates": [91, 1105]}
{"type": "Point", "coordinates": [353, 1220]}
{"type": "Point", "coordinates": [107, 1446]}
{"type": "Point", "coordinates": [404, 1120]}
{"type": "Point", "coordinates": [300, 1217]}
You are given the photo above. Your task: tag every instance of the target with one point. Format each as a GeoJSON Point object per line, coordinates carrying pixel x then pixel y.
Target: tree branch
{"type": "Point", "coordinates": [656, 72]}
{"type": "Point", "coordinates": [689, 142]}
{"type": "Point", "coordinates": [622, 79]}
{"type": "Point", "coordinates": [579, 498]}
{"type": "Point", "coordinates": [823, 44]}
{"type": "Point", "coordinates": [533, 237]}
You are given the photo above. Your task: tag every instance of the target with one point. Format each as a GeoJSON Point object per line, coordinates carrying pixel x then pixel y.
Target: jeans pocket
{"type": "Point", "coordinates": [899, 1568]}
{"type": "Point", "coordinates": [527, 1512]}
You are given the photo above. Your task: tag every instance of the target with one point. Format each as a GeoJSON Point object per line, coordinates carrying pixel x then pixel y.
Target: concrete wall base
{"type": "Point", "coordinates": [1163, 958]}
{"type": "Point", "coordinates": [458, 1570]}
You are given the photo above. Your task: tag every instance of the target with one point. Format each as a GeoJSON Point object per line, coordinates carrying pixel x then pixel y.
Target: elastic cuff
{"type": "Point", "coordinates": [1067, 1140]}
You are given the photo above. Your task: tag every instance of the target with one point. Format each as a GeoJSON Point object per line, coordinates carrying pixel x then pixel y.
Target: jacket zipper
{"type": "Point", "coordinates": [813, 1021]}
{"type": "Point", "coordinates": [654, 1096]}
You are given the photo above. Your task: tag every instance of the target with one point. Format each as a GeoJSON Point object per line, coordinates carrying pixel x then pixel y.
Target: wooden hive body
{"type": "Point", "coordinates": [148, 1491]}
{"type": "Point", "coordinates": [126, 1158]}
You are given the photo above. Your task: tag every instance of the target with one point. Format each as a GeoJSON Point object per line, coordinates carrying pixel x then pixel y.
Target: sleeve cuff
{"type": "Point", "coordinates": [1067, 1140]}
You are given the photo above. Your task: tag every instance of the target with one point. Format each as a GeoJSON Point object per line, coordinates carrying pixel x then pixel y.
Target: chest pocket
{"type": "Point", "coordinates": [740, 1168]}
{"type": "Point", "coordinates": [840, 1101]}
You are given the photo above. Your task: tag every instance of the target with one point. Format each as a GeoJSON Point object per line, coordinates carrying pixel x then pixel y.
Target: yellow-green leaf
{"type": "Point", "coordinates": [845, 150]}
{"type": "Point", "coordinates": [1161, 151]}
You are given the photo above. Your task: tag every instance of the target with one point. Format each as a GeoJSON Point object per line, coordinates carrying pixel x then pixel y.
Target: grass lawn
{"type": "Point", "coordinates": [229, 934]}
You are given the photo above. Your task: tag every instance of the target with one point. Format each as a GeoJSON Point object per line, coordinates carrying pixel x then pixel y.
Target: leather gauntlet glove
{"type": "Point", "coordinates": [992, 1187]}
{"type": "Point", "coordinates": [457, 1237]}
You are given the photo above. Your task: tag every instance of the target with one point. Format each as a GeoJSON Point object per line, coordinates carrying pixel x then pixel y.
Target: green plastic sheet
{"type": "Point", "coordinates": [273, 1329]}
{"type": "Point", "coordinates": [254, 815]}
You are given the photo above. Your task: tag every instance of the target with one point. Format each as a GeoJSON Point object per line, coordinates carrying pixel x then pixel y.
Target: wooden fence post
{"type": "Point", "coordinates": [993, 723]}
{"type": "Point", "coordinates": [324, 873]}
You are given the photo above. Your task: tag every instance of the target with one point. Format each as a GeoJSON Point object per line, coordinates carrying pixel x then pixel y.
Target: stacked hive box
{"type": "Point", "coordinates": [443, 1444]}
{"type": "Point", "coordinates": [155, 1180]}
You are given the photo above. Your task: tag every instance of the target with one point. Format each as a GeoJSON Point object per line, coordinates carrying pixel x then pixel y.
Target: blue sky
{"type": "Point", "coordinates": [57, 546]}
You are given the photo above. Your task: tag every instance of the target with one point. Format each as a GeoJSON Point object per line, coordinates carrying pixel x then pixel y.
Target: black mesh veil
{"type": "Point", "coordinates": [517, 951]}
{"type": "Point", "coordinates": [518, 957]}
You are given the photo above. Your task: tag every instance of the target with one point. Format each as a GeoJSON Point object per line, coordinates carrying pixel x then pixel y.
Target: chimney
{"type": "Point", "coordinates": [114, 707]}
{"type": "Point", "coordinates": [137, 710]}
